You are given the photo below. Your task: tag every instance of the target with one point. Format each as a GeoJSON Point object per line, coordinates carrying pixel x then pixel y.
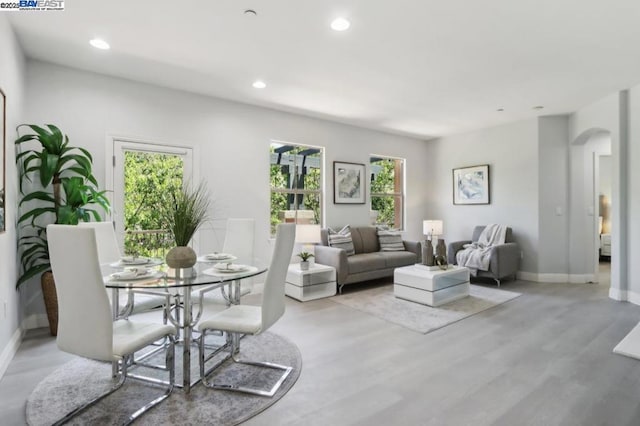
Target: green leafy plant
{"type": "Point", "coordinates": [305, 256]}
{"type": "Point", "coordinates": [184, 210]}
{"type": "Point", "coordinates": [57, 186]}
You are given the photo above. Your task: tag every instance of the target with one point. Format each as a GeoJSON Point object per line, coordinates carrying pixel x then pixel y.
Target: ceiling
{"type": "Point", "coordinates": [422, 68]}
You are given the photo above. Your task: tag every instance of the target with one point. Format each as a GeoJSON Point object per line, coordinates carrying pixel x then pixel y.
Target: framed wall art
{"type": "Point", "coordinates": [471, 185]}
{"type": "Point", "coordinates": [348, 183]}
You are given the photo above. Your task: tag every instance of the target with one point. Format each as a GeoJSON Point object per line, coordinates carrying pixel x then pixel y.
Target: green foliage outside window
{"type": "Point", "coordinates": [147, 177]}
{"type": "Point", "coordinates": [285, 188]}
{"type": "Point", "coordinates": [384, 199]}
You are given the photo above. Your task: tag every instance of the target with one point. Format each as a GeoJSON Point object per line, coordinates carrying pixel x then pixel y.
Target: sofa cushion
{"type": "Point", "coordinates": [390, 240]}
{"type": "Point", "coordinates": [395, 259]}
{"type": "Point", "coordinates": [366, 262]}
{"type": "Point", "coordinates": [365, 239]}
{"type": "Point", "coordinates": [342, 240]}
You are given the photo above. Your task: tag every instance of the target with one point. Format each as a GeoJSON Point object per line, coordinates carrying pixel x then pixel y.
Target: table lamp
{"type": "Point", "coordinates": [307, 236]}
{"type": "Point", "coordinates": [432, 228]}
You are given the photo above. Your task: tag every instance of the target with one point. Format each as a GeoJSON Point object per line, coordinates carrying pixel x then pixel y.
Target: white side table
{"type": "Point", "coordinates": [318, 282]}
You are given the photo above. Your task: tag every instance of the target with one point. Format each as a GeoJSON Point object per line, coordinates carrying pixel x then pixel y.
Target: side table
{"type": "Point", "coordinates": [318, 282]}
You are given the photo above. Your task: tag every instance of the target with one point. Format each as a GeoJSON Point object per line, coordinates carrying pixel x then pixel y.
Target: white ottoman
{"type": "Point", "coordinates": [423, 285]}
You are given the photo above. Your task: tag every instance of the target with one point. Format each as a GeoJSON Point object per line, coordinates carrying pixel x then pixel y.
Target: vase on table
{"type": "Point", "coordinates": [181, 257]}
{"type": "Point", "coordinates": [427, 254]}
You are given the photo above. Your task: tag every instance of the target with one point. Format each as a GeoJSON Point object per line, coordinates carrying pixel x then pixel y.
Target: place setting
{"type": "Point", "coordinates": [127, 261]}
{"type": "Point", "coordinates": [217, 257]}
{"type": "Point", "coordinates": [135, 273]}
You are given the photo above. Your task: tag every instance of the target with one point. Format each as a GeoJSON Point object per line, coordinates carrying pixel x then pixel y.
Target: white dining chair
{"type": "Point", "coordinates": [108, 252]}
{"type": "Point", "coordinates": [245, 319]}
{"type": "Point", "coordinates": [238, 241]}
{"type": "Point", "coordinates": [85, 326]}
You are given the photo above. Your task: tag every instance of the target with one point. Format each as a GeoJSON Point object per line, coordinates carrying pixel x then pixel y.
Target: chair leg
{"type": "Point", "coordinates": [235, 347]}
{"type": "Point", "coordinates": [170, 365]}
{"type": "Point", "coordinates": [497, 281]}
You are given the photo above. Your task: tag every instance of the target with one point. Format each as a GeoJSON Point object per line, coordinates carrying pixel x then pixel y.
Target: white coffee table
{"type": "Point", "coordinates": [432, 287]}
{"type": "Point", "coordinates": [317, 282]}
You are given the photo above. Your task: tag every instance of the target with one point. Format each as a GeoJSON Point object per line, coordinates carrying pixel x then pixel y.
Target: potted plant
{"type": "Point", "coordinates": [57, 186]}
{"type": "Point", "coordinates": [183, 212]}
{"type": "Point", "coordinates": [304, 260]}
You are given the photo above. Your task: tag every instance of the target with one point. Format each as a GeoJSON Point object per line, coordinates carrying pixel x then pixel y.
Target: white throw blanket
{"type": "Point", "coordinates": [477, 256]}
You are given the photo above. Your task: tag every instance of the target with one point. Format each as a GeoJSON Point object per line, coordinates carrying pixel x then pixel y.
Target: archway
{"type": "Point", "coordinates": [584, 229]}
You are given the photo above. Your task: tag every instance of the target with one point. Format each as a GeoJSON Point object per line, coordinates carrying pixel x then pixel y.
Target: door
{"type": "Point", "coordinates": [143, 174]}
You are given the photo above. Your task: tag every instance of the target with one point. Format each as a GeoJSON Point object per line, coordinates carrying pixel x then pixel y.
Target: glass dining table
{"type": "Point", "coordinates": [177, 289]}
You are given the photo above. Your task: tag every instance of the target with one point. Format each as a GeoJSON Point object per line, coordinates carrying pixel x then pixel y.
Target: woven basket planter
{"type": "Point", "coordinates": [50, 301]}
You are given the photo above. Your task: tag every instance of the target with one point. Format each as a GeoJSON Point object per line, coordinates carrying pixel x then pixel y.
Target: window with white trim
{"type": "Point", "coordinates": [387, 190]}
{"type": "Point", "coordinates": [296, 184]}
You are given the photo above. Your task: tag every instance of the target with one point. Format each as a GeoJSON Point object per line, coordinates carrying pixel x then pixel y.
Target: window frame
{"type": "Point", "coordinates": [320, 192]}
{"type": "Point", "coordinates": [394, 194]}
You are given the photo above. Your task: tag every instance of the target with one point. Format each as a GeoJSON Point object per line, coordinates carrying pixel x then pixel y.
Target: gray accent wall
{"type": "Point", "coordinates": [511, 151]}
{"type": "Point", "coordinates": [553, 209]}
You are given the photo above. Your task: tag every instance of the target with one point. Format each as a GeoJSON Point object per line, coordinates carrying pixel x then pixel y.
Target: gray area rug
{"type": "Point", "coordinates": [380, 302]}
{"type": "Point", "coordinates": [81, 380]}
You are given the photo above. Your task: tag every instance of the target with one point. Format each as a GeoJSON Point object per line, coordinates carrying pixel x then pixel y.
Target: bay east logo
{"type": "Point", "coordinates": [20, 5]}
{"type": "Point", "coordinates": [41, 4]}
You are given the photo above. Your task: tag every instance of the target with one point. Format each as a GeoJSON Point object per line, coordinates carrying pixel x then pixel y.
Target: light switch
{"type": "Point", "coordinates": [558, 211]}
{"type": "Point", "coordinates": [590, 211]}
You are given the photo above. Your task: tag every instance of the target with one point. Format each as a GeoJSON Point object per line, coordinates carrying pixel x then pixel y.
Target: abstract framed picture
{"type": "Point", "coordinates": [471, 185]}
{"type": "Point", "coordinates": [348, 183]}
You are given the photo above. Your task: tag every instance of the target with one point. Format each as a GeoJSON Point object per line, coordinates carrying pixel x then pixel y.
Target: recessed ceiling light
{"type": "Point", "coordinates": [500, 109]}
{"type": "Point", "coordinates": [250, 12]}
{"type": "Point", "coordinates": [538, 107]}
{"type": "Point", "coordinates": [98, 43]}
{"type": "Point", "coordinates": [259, 84]}
{"type": "Point", "coordinates": [340, 24]}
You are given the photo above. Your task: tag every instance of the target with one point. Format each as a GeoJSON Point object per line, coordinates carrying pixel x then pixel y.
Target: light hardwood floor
{"type": "Point", "coordinates": [542, 359]}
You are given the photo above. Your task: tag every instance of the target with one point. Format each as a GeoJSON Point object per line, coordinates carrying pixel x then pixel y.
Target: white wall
{"type": "Point", "coordinates": [633, 195]}
{"type": "Point", "coordinates": [11, 81]}
{"type": "Point", "coordinates": [231, 141]}
{"type": "Point", "coordinates": [553, 243]}
{"type": "Point", "coordinates": [511, 151]}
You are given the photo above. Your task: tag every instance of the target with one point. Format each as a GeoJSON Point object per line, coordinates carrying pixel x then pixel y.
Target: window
{"type": "Point", "coordinates": [387, 190]}
{"type": "Point", "coordinates": [296, 184]}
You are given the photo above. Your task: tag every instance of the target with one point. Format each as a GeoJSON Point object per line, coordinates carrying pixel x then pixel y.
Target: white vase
{"type": "Point", "coordinates": [304, 265]}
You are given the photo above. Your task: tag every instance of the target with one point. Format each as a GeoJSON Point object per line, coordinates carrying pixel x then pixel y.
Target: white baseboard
{"type": "Point", "coordinates": [555, 278]}
{"type": "Point", "coordinates": [617, 294]}
{"type": "Point", "coordinates": [35, 321]}
{"type": "Point", "coordinates": [10, 350]}
{"type": "Point", "coordinates": [633, 297]}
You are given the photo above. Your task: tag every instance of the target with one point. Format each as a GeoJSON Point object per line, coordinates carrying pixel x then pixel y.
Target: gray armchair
{"type": "Point", "coordinates": [504, 257]}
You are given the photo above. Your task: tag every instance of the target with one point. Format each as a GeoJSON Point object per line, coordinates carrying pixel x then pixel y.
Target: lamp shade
{"type": "Point", "coordinates": [432, 227]}
{"type": "Point", "coordinates": [308, 234]}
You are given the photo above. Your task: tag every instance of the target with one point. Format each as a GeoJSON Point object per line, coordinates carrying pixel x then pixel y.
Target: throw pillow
{"type": "Point", "coordinates": [390, 240]}
{"type": "Point", "coordinates": [342, 240]}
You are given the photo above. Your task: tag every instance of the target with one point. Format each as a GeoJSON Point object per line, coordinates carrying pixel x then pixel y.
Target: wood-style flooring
{"type": "Point", "coordinates": [544, 358]}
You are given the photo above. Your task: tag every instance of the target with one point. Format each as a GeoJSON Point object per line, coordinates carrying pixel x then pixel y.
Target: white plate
{"type": "Point", "coordinates": [139, 262]}
{"type": "Point", "coordinates": [230, 268]}
{"type": "Point", "coordinates": [205, 259]}
{"type": "Point", "coordinates": [145, 276]}
{"type": "Point", "coordinates": [219, 256]}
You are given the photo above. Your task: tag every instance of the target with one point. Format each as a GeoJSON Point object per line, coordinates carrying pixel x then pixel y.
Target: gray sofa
{"type": "Point", "coordinates": [368, 262]}
{"type": "Point", "coordinates": [504, 257]}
